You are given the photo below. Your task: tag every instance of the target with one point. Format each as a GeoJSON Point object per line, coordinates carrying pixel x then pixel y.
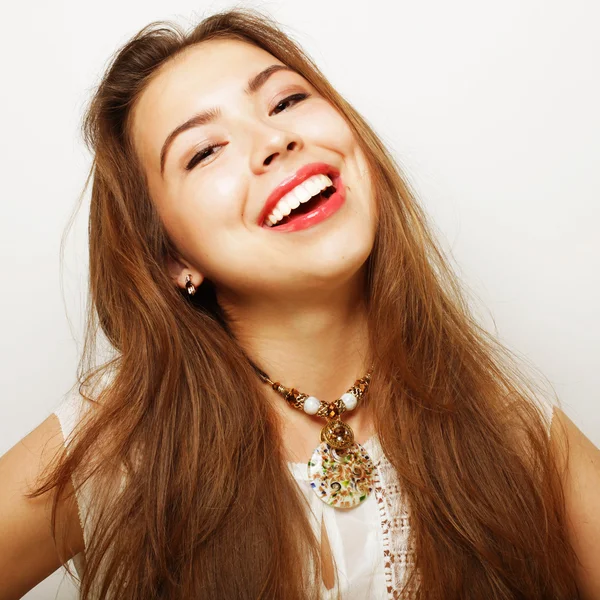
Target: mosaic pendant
{"type": "Point", "coordinates": [341, 477]}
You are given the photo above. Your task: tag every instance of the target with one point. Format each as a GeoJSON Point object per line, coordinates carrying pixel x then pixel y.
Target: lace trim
{"type": "Point", "coordinates": [398, 556]}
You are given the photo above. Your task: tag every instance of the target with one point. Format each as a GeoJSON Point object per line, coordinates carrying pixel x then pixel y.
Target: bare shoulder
{"type": "Point", "coordinates": [27, 550]}
{"type": "Point", "coordinates": [582, 498]}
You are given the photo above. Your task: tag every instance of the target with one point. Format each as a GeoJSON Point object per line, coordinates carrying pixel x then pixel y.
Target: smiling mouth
{"type": "Point", "coordinates": [306, 207]}
{"type": "Point", "coordinates": [304, 198]}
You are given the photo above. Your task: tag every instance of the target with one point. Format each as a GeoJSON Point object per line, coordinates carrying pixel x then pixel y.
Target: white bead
{"type": "Point", "coordinates": [311, 405]}
{"type": "Point", "coordinates": [349, 401]}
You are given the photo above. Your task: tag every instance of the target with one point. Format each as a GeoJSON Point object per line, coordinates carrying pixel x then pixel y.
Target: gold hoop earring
{"type": "Point", "coordinates": [189, 286]}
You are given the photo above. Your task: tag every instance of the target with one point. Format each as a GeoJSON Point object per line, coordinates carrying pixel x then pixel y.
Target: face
{"type": "Point", "coordinates": [219, 174]}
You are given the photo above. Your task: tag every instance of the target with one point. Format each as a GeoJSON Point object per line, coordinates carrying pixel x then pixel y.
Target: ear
{"type": "Point", "coordinates": [179, 269]}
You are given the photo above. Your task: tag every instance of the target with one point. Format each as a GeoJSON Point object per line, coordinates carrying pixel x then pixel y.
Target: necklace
{"type": "Point", "coordinates": [340, 470]}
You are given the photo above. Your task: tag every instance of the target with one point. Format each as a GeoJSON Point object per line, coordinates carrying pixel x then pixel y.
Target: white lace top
{"type": "Point", "coordinates": [370, 548]}
{"type": "Point", "coordinates": [368, 563]}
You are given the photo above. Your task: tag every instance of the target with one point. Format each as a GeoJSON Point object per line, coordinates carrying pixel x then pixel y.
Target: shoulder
{"type": "Point", "coordinates": [581, 480]}
{"type": "Point", "coordinates": [27, 549]}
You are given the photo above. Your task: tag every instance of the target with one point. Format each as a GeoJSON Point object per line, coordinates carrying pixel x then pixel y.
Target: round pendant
{"type": "Point", "coordinates": [341, 478]}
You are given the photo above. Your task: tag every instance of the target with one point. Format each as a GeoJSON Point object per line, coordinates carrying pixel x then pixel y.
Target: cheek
{"type": "Point", "coordinates": [341, 139]}
{"type": "Point", "coordinates": [197, 218]}
{"type": "Point", "coordinates": [326, 127]}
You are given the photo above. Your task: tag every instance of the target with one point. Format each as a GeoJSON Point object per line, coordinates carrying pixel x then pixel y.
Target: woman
{"type": "Point", "coordinates": [299, 404]}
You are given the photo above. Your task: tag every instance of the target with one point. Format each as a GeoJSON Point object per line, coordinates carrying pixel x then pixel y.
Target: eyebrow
{"type": "Point", "coordinates": [210, 115]}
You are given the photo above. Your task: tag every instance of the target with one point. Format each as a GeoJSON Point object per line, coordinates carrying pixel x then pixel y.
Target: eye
{"type": "Point", "coordinates": [293, 97]}
{"type": "Point", "coordinates": [200, 156]}
{"type": "Point", "coordinates": [207, 150]}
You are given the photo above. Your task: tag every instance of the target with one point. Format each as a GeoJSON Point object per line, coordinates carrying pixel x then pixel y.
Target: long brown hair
{"type": "Point", "coordinates": [210, 509]}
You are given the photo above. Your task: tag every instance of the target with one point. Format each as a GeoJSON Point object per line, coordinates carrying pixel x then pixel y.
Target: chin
{"type": "Point", "coordinates": [337, 263]}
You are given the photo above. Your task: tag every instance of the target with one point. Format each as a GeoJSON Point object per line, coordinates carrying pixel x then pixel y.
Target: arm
{"type": "Point", "coordinates": [582, 498]}
{"type": "Point", "coordinates": [27, 551]}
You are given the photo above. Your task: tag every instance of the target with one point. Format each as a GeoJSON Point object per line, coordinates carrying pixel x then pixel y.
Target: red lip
{"type": "Point", "coordinates": [289, 184]}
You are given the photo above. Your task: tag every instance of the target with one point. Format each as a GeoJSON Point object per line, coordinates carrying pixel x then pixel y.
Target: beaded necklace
{"type": "Point", "coordinates": [340, 470]}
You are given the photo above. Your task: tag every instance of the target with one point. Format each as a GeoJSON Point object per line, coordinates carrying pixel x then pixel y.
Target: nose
{"type": "Point", "coordinates": [270, 144]}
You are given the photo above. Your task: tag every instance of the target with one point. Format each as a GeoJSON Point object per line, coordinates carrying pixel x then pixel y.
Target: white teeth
{"type": "Point", "coordinates": [284, 207]}
{"type": "Point", "coordinates": [300, 194]}
{"type": "Point", "coordinates": [312, 186]}
{"type": "Point", "coordinates": [293, 201]}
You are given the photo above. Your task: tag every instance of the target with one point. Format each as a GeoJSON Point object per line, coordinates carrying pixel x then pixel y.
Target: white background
{"type": "Point", "coordinates": [491, 108]}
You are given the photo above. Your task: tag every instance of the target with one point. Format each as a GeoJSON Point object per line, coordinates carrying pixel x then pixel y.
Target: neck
{"type": "Point", "coordinates": [318, 347]}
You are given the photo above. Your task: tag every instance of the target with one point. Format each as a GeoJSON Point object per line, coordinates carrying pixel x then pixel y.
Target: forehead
{"type": "Point", "coordinates": [204, 75]}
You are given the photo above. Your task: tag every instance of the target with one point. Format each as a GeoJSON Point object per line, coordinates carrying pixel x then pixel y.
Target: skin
{"type": "Point", "coordinates": [294, 299]}
{"type": "Point", "coordinates": [582, 500]}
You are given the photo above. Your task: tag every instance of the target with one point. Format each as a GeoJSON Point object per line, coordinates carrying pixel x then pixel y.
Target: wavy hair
{"type": "Point", "coordinates": [192, 494]}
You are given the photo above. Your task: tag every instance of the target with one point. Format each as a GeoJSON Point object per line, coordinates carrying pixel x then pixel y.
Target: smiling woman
{"type": "Point", "coordinates": [231, 96]}
{"type": "Point", "coordinates": [300, 404]}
